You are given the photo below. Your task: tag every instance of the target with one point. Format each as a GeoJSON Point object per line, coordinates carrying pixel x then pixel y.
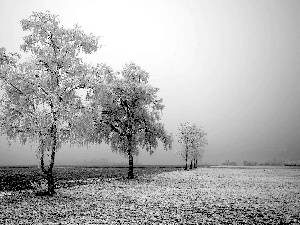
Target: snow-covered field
{"type": "Point", "coordinates": [200, 196]}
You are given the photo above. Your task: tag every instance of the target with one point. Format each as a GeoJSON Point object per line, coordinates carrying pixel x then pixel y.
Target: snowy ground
{"type": "Point", "coordinates": [200, 196]}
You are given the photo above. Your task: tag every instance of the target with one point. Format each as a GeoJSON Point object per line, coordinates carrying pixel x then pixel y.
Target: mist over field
{"type": "Point", "coordinates": [231, 67]}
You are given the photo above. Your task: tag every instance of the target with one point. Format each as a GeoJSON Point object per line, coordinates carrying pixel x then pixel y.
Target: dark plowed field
{"type": "Point", "coordinates": [21, 178]}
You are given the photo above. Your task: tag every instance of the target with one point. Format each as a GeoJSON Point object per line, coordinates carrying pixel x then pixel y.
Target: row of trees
{"type": "Point", "coordinates": [41, 103]}
{"type": "Point", "coordinates": [266, 163]}
{"type": "Point", "coordinates": [292, 163]}
{"type": "Point", "coordinates": [273, 163]}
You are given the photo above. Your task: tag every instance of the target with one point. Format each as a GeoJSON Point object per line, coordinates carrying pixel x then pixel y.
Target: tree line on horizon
{"type": "Point", "coordinates": [266, 163]}
{"type": "Point", "coordinates": [41, 103]}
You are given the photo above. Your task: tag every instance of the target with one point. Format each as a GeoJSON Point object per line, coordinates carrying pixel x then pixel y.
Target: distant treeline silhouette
{"type": "Point", "coordinates": [266, 163]}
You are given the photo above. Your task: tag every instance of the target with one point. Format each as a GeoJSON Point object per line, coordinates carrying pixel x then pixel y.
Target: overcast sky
{"type": "Point", "coordinates": [232, 67]}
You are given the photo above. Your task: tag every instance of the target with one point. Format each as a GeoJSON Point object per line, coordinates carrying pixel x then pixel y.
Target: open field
{"type": "Point", "coordinates": [200, 196]}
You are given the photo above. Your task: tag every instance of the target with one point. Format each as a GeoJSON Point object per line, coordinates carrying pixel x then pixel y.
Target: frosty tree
{"type": "Point", "coordinates": [197, 154]}
{"type": "Point", "coordinates": [131, 114]}
{"type": "Point", "coordinates": [191, 139]}
{"type": "Point", "coordinates": [40, 104]}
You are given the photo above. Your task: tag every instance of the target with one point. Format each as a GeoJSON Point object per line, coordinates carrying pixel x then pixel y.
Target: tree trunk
{"type": "Point", "coordinates": [191, 165]}
{"type": "Point", "coordinates": [49, 172]}
{"type": "Point", "coordinates": [186, 159]}
{"type": "Point", "coordinates": [196, 163]}
{"type": "Point", "coordinates": [185, 164]}
{"type": "Point", "coordinates": [53, 150]}
{"type": "Point", "coordinates": [195, 166]}
{"type": "Point", "coordinates": [50, 181]}
{"type": "Point", "coordinates": [130, 169]}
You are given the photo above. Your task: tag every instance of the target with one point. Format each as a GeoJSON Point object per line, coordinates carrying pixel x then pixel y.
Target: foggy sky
{"type": "Point", "coordinates": [232, 67]}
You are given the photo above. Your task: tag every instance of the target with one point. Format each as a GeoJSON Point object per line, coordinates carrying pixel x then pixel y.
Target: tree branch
{"type": "Point", "coordinates": [21, 92]}
{"type": "Point", "coordinates": [113, 127]}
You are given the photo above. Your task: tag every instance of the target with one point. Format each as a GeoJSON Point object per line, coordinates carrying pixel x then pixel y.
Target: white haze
{"type": "Point", "coordinates": [231, 67]}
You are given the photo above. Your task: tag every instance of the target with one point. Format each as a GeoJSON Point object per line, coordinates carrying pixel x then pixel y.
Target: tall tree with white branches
{"type": "Point", "coordinates": [40, 103]}
{"type": "Point", "coordinates": [130, 116]}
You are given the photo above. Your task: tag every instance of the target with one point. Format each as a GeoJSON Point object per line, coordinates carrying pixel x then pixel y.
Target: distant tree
{"type": "Point", "coordinates": [191, 139]}
{"type": "Point", "coordinates": [228, 163]}
{"type": "Point", "coordinates": [197, 155]}
{"type": "Point", "coordinates": [273, 163]}
{"type": "Point", "coordinates": [248, 163]}
{"type": "Point", "coordinates": [40, 103]}
{"type": "Point", "coordinates": [130, 114]}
